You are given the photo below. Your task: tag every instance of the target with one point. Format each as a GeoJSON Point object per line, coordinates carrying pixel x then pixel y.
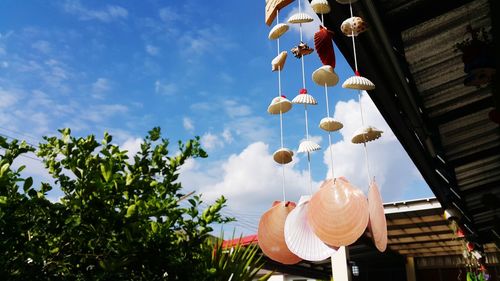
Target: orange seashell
{"type": "Point", "coordinates": [338, 213]}
{"type": "Point", "coordinates": [377, 224]}
{"type": "Point", "coordinates": [271, 233]}
{"type": "Point", "coordinates": [324, 46]}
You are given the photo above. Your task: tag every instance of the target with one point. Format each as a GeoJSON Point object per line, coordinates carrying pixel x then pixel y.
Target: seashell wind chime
{"type": "Point", "coordinates": [338, 213]}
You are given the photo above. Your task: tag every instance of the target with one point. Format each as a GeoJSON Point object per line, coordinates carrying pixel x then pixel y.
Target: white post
{"type": "Point", "coordinates": [340, 267]}
{"type": "Point", "coordinates": [410, 269]}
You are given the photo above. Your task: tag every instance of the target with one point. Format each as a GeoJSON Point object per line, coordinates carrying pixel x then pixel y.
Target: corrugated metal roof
{"type": "Point", "coordinates": [409, 53]}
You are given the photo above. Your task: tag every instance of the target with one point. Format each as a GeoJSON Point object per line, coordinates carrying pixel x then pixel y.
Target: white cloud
{"type": "Point", "coordinates": [132, 145]}
{"type": "Point", "coordinates": [250, 180]}
{"type": "Point", "coordinates": [235, 109]}
{"type": "Point", "coordinates": [308, 29]}
{"type": "Point", "coordinates": [167, 14]}
{"type": "Point", "coordinates": [107, 14]}
{"type": "Point", "coordinates": [210, 141]}
{"type": "Point", "coordinates": [100, 86]}
{"type": "Point", "coordinates": [166, 89]}
{"type": "Point", "coordinates": [188, 124]}
{"type": "Point", "coordinates": [7, 98]}
{"type": "Point", "coordinates": [389, 163]}
{"type": "Point", "coordinates": [42, 46]}
{"type": "Point", "coordinates": [228, 137]}
{"type": "Point", "coordinates": [152, 50]}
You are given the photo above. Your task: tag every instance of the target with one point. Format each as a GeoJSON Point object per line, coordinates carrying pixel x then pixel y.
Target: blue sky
{"type": "Point", "coordinates": [194, 68]}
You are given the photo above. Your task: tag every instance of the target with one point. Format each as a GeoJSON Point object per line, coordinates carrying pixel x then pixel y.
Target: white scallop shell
{"type": "Point", "coordinates": [353, 26]}
{"type": "Point", "coordinates": [305, 99]}
{"type": "Point", "coordinates": [278, 30]}
{"type": "Point", "coordinates": [308, 146]}
{"type": "Point", "coordinates": [366, 134]}
{"type": "Point", "coordinates": [325, 75]}
{"type": "Point", "coordinates": [330, 125]}
{"type": "Point", "coordinates": [346, 1]}
{"type": "Point", "coordinates": [300, 238]}
{"type": "Point", "coordinates": [358, 83]}
{"type": "Point", "coordinates": [279, 104]}
{"type": "Point", "coordinates": [279, 61]}
{"type": "Point", "coordinates": [283, 156]}
{"type": "Point", "coordinates": [320, 6]}
{"type": "Point", "coordinates": [300, 18]}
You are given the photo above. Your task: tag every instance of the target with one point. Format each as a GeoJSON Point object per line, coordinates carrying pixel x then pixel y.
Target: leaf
{"type": "Point", "coordinates": [131, 210]}
{"type": "Point", "coordinates": [106, 172]}
{"type": "Point", "coordinates": [4, 169]}
{"type": "Point", "coordinates": [27, 184]}
{"type": "Point", "coordinates": [3, 200]}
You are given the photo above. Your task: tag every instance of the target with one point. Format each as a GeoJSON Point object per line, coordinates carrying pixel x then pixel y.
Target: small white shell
{"type": "Point", "coordinates": [330, 125]}
{"type": "Point", "coordinates": [346, 1]}
{"type": "Point", "coordinates": [283, 156]}
{"type": "Point", "coordinates": [279, 104]}
{"type": "Point", "coordinates": [304, 98]}
{"type": "Point", "coordinates": [320, 6]}
{"type": "Point", "coordinates": [300, 238]}
{"type": "Point", "coordinates": [278, 30]}
{"type": "Point", "coordinates": [366, 134]}
{"type": "Point", "coordinates": [358, 83]}
{"type": "Point", "coordinates": [325, 75]}
{"type": "Point", "coordinates": [353, 26]}
{"type": "Point", "coordinates": [278, 62]}
{"type": "Point", "coordinates": [308, 146]}
{"type": "Point", "coordinates": [300, 18]}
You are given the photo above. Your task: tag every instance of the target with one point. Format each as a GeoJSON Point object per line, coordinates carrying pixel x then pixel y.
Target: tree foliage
{"type": "Point", "coordinates": [118, 218]}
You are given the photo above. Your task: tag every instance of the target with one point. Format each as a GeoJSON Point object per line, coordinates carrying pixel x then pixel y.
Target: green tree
{"type": "Point", "coordinates": [119, 218]}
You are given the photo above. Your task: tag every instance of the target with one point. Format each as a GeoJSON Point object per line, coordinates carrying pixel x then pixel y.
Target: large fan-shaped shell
{"type": "Point", "coordinates": [325, 75]}
{"type": "Point", "coordinates": [271, 234]}
{"type": "Point", "coordinates": [279, 104]}
{"type": "Point", "coordinates": [353, 26]}
{"type": "Point", "coordinates": [283, 156]}
{"type": "Point", "coordinates": [300, 238]}
{"type": "Point", "coordinates": [320, 6]}
{"type": "Point", "coordinates": [358, 83]}
{"type": "Point", "coordinates": [338, 213]}
{"type": "Point", "coordinates": [330, 125]}
{"type": "Point", "coordinates": [308, 146]}
{"type": "Point", "coordinates": [300, 18]}
{"type": "Point", "coordinates": [377, 224]}
{"type": "Point", "coordinates": [366, 134]}
{"type": "Point", "coordinates": [324, 46]}
{"type": "Point", "coordinates": [278, 30]}
{"type": "Point", "coordinates": [346, 1]}
{"type": "Point", "coordinates": [278, 62]}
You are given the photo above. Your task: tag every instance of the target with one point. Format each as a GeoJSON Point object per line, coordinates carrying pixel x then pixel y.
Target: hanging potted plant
{"type": "Point", "coordinates": [477, 56]}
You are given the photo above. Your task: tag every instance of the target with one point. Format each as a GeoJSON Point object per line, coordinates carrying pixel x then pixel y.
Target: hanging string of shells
{"type": "Point", "coordinates": [338, 213]}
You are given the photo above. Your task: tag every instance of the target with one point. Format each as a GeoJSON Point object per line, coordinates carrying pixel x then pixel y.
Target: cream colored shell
{"type": "Point", "coordinates": [320, 6]}
{"type": "Point", "coordinates": [283, 156]}
{"type": "Point", "coordinates": [278, 62]}
{"type": "Point", "coordinates": [300, 238]}
{"type": "Point", "coordinates": [300, 18]}
{"type": "Point", "coordinates": [353, 26]}
{"type": "Point", "coordinates": [308, 146]}
{"type": "Point", "coordinates": [330, 125]}
{"type": "Point", "coordinates": [278, 30]}
{"type": "Point", "coordinates": [366, 134]}
{"type": "Point", "coordinates": [279, 104]}
{"type": "Point", "coordinates": [325, 75]}
{"type": "Point", "coordinates": [304, 99]}
{"type": "Point", "coordinates": [358, 83]}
